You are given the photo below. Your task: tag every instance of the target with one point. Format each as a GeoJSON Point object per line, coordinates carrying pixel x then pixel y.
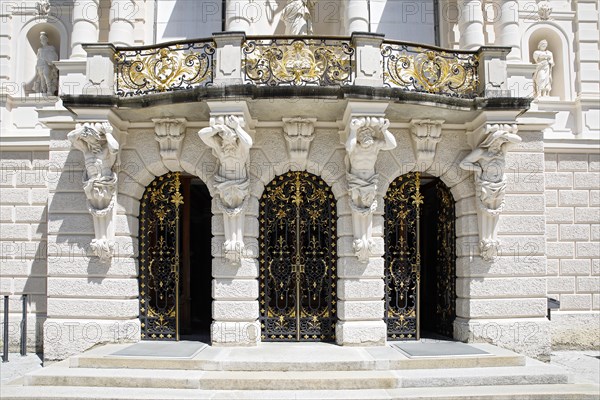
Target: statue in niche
{"type": "Point", "coordinates": [100, 150]}
{"type": "Point", "coordinates": [297, 16]}
{"type": "Point", "coordinates": [368, 135]}
{"type": "Point", "coordinates": [46, 78]}
{"type": "Point", "coordinates": [487, 162]}
{"type": "Point", "coordinates": [231, 146]}
{"type": "Point", "coordinates": [542, 77]}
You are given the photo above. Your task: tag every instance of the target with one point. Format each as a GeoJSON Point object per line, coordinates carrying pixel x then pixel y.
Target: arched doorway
{"type": "Point", "coordinates": [175, 259]}
{"type": "Point", "coordinates": [298, 259]}
{"type": "Point", "coordinates": [420, 258]}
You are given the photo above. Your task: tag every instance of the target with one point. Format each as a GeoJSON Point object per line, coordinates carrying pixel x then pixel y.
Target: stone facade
{"type": "Point", "coordinates": [547, 230]}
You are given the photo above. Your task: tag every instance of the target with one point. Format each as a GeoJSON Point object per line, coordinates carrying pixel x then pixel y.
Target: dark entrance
{"type": "Point", "coordinates": [175, 259]}
{"type": "Point", "coordinates": [298, 259]}
{"type": "Point", "coordinates": [420, 273]}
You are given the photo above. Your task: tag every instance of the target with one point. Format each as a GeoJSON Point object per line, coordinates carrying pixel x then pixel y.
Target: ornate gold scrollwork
{"type": "Point", "coordinates": [178, 66]}
{"type": "Point", "coordinates": [402, 257]}
{"type": "Point", "coordinates": [297, 259]}
{"type": "Point", "coordinates": [159, 257]}
{"type": "Point", "coordinates": [298, 62]}
{"type": "Point", "coordinates": [431, 71]}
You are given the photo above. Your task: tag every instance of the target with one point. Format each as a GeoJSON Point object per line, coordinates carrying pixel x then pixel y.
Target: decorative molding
{"type": "Point", "coordinates": [170, 133]}
{"type": "Point", "coordinates": [544, 10]}
{"type": "Point", "coordinates": [299, 133]}
{"type": "Point", "coordinates": [231, 145]}
{"type": "Point", "coordinates": [100, 150]}
{"type": "Point", "coordinates": [487, 161]}
{"type": "Point", "coordinates": [425, 134]}
{"type": "Point", "coordinates": [43, 8]}
{"type": "Point", "coordinates": [368, 135]}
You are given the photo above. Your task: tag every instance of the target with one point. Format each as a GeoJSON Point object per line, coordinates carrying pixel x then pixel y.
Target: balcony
{"type": "Point", "coordinates": [362, 60]}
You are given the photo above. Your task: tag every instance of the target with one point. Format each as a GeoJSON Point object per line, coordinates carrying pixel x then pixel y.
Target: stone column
{"type": "Point", "coordinates": [361, 248]}
{"type": "Point", "coordinates": [507, 28]}
{"type": "Point", "coordinates": [471, 24]}
{"type": "Point", "coordinates": [121, 17]}
{"type": "Point", "coordinates": [85, 26]}
{"type": "Point", "coordinates": [357, 15]}
{"type": "Point", "coordinates": [236, 15]}
{"type": "Point", "coordinates": [235, 270]}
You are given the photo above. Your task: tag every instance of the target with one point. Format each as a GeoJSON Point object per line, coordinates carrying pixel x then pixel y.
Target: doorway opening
{"type": "Point", "coordinates": [175, 259]}
{"type": "Point", "coordinates": [420, 258]}
{"type": "Point", "coordinates": [196, 299]}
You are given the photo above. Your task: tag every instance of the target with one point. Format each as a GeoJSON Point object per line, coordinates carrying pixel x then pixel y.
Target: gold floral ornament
{"type": "Point", "coordinates": [298, 62]}
{"type": "Point", "coordinates": [154, 70]}
{"type": "Point", "coordinates": [431, 71]}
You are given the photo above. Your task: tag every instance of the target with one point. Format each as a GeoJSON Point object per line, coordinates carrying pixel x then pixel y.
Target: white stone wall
{"type": "Point", "coordinates": [573, 242]}
{"type": "Point", "coordinates": [24, 182]}
{"type": "Point", "coordinates": [89, 301]}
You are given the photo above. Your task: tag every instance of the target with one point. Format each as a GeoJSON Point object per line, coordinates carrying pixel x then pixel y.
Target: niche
{"type": "Point", "coordinates": [561, 75]}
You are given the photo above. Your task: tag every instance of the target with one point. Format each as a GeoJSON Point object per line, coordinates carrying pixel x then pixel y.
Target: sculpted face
{"type": "Point", "coordinates": [44, 40]}
{"type": "Point", "coordinates": [365, 138]}
{"type": "Point", "coordinates": [543, 45]}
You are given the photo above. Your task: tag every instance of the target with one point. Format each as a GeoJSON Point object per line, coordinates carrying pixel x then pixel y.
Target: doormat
{"type": "Point", "coordinates": [162, 349]}
{"type": "Point", "coordinates": [444, 349]}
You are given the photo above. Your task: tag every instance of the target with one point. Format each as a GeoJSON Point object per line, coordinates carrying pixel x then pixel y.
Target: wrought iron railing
{"type": "Point", "coordinates": [430, 69]}
{"type": "Point", "coordinates": [296, 61]}
{"type": "Point", "coordinates": [268, 61]}
{"type": "Point", "coordinates": [172, 66]}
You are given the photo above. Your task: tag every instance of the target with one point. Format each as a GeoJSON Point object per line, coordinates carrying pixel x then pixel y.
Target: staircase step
{"type": "Point", "coordinates": [213, 380]}
{"type": "Point", "coordinates": [506, 392]}
{"type": "Point", "coordinates": [297, 358]}
{"type": "Point", "coordinates": [533, 373]}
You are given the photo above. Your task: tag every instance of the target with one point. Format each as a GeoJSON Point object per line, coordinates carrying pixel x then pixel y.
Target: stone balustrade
{"type": "Point", "coordinates": [362, 60]}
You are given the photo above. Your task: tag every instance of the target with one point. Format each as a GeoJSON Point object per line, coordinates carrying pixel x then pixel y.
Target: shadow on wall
{"type": "Point", "coordinates": [408, 21]}
{"type": "Point", "coordinates": [188, 19]}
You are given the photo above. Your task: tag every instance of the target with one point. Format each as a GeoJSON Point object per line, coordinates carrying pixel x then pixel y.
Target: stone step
{"type": "Point", "coordinates": [504, 392]}
{"type": "Point", "coordinates": [296, 358]}
{"type": "Point", "coordinates": [533, 373]}
{"type": "Point", "coordinates": [212, 380]}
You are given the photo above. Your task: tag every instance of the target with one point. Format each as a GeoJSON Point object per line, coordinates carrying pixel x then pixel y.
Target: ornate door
{"type": "Point", "coordinates": [298, 259]}
{"type": "Point", "coordinates": [402, 257]}
{"type": "Point", "coordinates": [159, 258]}
{"type": "Point", "coordinates": [419, 245]}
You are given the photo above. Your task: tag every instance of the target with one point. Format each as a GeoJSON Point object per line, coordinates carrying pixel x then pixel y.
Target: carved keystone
{"type": "Point", "coordinates": [425, 134]}
{"type": "Point", "coordinates": [170, 132]}
{"type": "Point", "coordinates": [299, 132]}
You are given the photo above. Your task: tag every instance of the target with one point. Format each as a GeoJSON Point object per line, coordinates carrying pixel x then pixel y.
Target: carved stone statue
{"type": "Point", "coordinates": [297, 16]}
{"type": "Point", "coordinates": [368, 135]}
{"type": "Point", "coordinates": [231, 146]}
{"type": "Point", "coordinates": [542, 77]}
{"type": "Point", "coordinates": [46, 78]}
{"type": "Point", "coordinates": [487, 161]}
{"type": "Point", "coordinates": [100, 150]}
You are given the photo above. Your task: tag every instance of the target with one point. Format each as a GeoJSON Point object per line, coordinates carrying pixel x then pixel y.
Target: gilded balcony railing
{"type": "Point", "coordinates": [430, 69]}
{"type": "Point", "coordinates": [172, 66]}
{"type": "Point", "coordinates": [307, 61]}
{"type": "Point", "coordinates": [301, 61]}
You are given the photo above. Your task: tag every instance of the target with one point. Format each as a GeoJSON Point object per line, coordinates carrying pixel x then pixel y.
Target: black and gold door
{"type": "Point", "coordinates": [175, 258]}
{"type": "Point", "coordinates": [298, 259]}
{"type": "Point", "coordinates": [420, 267]}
